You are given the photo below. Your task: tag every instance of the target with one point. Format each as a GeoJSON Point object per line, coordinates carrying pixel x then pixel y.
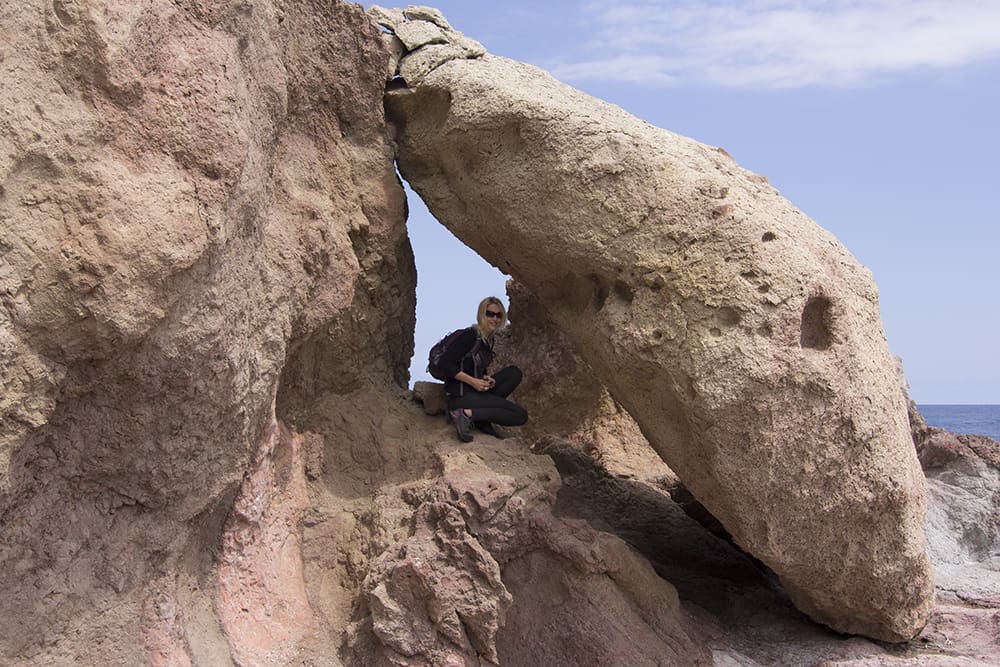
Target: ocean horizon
{"type": "Point", "coordinates": [963, 419]}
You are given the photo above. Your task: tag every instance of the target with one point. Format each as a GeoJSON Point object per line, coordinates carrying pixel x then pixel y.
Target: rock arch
{"type": "Point", "coordinates": [744, 339]}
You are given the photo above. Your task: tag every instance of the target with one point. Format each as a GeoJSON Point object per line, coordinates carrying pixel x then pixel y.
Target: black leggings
{"type": "Point", "coordinates": [492, 405]}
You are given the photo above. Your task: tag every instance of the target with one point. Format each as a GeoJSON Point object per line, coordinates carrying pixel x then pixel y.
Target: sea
{"type": "Point", "coordinates": [974, 419]}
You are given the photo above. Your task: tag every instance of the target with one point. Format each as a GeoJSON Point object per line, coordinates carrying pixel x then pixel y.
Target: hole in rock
{"type": "Point", "coordinates": [623, 291]}
{"type": "Point", "coordinates": [817, 324]}
{"type": "Point", "coordinates": [768, 236]}
{"type": "Point", "coordinates": [451, 281]}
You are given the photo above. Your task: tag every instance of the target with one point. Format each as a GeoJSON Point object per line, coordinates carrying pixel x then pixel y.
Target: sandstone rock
{"type": "Point", "coordinates": [415, 34]}
{"type": "Point", "coordinates": [961, 635]}
{"type": "Point", "coordinates": [262, 600]}
{"type": "Point", "coordinates": [207, 309]}
{"type": "Point", "coordinates": [565, 397]}
{"type": "Point", "coordinates": [431, 395]}
{"type": "Point", "coordinates": [426, 60]}
{"type": "Point", "coordinates": [199, 218]}
{"type": "Point", "coordinates": [577, 595]}
{"type": "Point", "coordinates": [396, 52]}
{"type": "Point", "coordinates": [648, 518]}
{"type": "Point", "coordinates": [362, 515]}
{"type": "Point", "coordinates": [425, 13]}
{"type": "Point", "coordinates": [385, 16]}
{"type": "Point", "coordinates": [743, 339]}
{"type": "Point", "coordinates": [559, 388]}
{"type": "Point", "coordinates": [741, 615]}
{"type": "Point", "coordinates": [439, 593]}
{"type": "Point", "coordinates": [427, 36]}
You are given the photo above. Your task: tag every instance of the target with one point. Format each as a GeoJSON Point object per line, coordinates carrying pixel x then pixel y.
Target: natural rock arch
{"type": "Point", "coordinates": [744, 339]}
{"type": "Point", "coordinates": [207, 297]}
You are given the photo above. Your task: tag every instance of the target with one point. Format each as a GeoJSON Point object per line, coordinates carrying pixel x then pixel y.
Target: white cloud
{"type": "Point", "coordinates": [781, 43]}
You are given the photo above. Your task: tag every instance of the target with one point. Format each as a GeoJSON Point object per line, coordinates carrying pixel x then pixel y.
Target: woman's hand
{"type": "Point", "coordinates": [479, 384]}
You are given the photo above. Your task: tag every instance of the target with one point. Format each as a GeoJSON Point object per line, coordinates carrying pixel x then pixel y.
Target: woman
{"type": "Point", "coordinates": [474, 396]}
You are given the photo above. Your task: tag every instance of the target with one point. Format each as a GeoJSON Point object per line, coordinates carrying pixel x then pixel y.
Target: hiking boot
{"type": "Point", "coordinates": [463, 425]}
{"type": "Point", "coordinates": [489, 429]}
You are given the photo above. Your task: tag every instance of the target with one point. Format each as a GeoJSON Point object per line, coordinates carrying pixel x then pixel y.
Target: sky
{"type": "Point", "coordinates": [880, 119]}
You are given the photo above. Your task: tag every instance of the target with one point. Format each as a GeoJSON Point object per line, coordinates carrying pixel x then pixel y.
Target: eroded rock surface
{"type": "Point", "coordinates": [208, 453]}
{"type": "Point", "coordinates": [570, 593]}
{"type": "Point", "coordinates": [744, 340]}
{"type": "Point", "coordinates": [963, 517]}
{"type": "Point", "coordinates": [490, 573]}
{"type": "Point", "coordinates": [197, 201]}
{"type": "Point", "coordinates": [565, 397]}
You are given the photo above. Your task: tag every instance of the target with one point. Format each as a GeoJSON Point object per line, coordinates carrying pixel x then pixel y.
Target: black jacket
{"type": "Point", "coordinates": [465, 355]}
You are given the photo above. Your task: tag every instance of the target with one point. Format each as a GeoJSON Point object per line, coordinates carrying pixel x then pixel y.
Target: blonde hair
{"type": "Point", "coordinates": [481, 315]}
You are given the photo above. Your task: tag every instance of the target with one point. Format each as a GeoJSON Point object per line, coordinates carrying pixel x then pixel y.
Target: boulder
{"type": "Point", "coordinates": [743, 339]}
{"type": "Point", "coordinates": [963, 511]}
{"type": "Point", "coordinates": [427, 38]}
{"type": "Point", "coordinates": [432, 396]}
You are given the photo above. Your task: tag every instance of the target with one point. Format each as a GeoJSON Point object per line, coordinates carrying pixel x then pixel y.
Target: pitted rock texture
{"type": "Point", "coordinates": [198, 212]}
{"type": "Point", "coordinates": [709, 306]}
{"type": "Point", "coordinates": [566, 398]}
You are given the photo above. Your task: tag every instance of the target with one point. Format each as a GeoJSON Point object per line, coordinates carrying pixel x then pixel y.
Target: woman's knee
{"type": "Point", "coordinates": [509, 373]}
{"type": "Point", "coordinates": [520, 416]}
{"type": "Point", "coordinates": [508, 379]}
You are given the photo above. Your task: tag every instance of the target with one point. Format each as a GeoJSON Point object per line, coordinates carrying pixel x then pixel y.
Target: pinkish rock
{"type": "Point", "coordinates": [199, 219]}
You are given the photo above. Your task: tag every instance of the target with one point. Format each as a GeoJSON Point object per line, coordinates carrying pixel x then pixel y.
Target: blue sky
{"type": "Point", "coordinates": [879, 119]}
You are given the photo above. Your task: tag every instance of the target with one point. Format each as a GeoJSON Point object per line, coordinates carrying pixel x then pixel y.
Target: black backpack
{"type": "Point", "coordinates": [439, 349]}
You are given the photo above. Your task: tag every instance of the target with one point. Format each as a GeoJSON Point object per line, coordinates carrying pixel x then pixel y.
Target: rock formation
{"type": "Point", "coordinates": [963, 518]}
{"type": "Point", "coordinates": [199, 217]}
{"type": "Point", "coordinates": [208, 455]}
{"type": "Point", "coordinates": [706, 303]}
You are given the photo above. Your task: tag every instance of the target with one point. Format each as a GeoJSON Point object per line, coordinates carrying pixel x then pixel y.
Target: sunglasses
{"type": "Point", "coordinates": [493, 313]}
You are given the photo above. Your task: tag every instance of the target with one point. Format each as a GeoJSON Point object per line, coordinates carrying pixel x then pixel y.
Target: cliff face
{"type": "Point", "coordinates": [208, 454]}
{"type": "Point", "coordinates": [197, 200]}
